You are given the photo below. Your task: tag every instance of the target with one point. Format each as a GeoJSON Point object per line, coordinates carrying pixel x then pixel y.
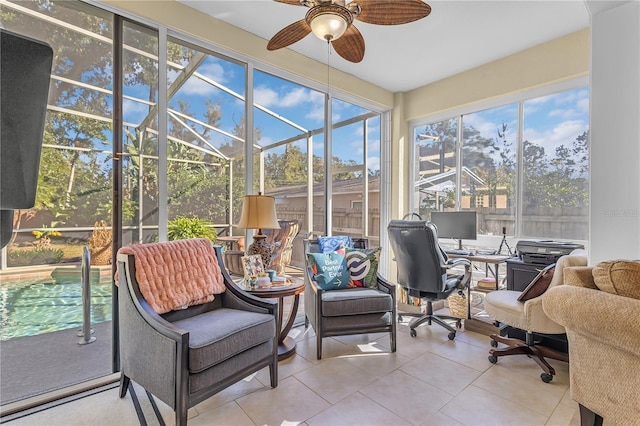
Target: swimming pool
{"type": "Point", "coordinates": [41, 305]}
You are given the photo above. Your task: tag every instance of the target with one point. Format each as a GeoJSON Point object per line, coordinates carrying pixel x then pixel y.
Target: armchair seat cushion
{"type": "Point", "coordinates": [504, 306]}
{"type": "Point", "coordinates": [355, 301]}
{"type": "Point", "coordinates": [223, 333]}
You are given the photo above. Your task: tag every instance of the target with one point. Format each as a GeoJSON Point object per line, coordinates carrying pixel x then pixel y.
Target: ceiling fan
{"type": "Point", "coordinates": [332, 20]}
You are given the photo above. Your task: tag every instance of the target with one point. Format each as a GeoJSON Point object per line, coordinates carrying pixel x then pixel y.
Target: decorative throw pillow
{"type": "Point", "coordinates": [621, 277]}
{"type": "Point", "coordinates": [329, 270]}
{"type": "Point", "coordinates": [363, 266]}
{"type": "Point", "coordinates": [330, 244]}
{"type": "Point", "coordinates": [539, 284]}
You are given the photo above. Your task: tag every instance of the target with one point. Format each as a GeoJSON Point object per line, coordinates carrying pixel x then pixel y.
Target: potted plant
{"type": "Point", "coordinates": [182, 228]}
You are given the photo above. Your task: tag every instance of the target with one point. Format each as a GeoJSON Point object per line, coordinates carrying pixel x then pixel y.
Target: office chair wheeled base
{"type": "Point", "coordinates": [430, 317]}
{"type": "Point", "coordinates": [518, 347]}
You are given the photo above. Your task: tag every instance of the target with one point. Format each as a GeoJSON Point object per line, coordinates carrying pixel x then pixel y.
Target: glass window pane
{"type": "Point", "coordinates": [206, 128]}
{"type": "Point", "coordinates": [435, 167]}
{"type": "Point", "coordinates": [289, 120]}
{"type": "Point", "coordinates": [352, 136]}
{"type": "Point", "coordinates": [489, 153]}
{"type": "Point", "coordinates": [556, 166]}
{"type": "Point", "coordinates": [140, 201]}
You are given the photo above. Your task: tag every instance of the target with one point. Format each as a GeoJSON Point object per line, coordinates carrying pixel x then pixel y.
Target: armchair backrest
{"type": "Point", "coordinates": [283, 241]}
{"type": "Point", "coordinates": [420, 261]}
{"type": "Point", "coordinates": [174, 275]}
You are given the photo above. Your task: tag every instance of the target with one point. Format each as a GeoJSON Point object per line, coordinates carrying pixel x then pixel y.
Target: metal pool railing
{"type": "Point", "coordinates": [86, 331]}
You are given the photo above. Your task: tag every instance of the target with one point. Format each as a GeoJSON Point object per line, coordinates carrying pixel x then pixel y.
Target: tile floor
{"type": "Point", "coordinates": [430, 380]}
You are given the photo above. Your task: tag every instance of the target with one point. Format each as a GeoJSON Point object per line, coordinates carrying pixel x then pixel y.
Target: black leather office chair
{"type": "Point", "coordinates": [423, 269]}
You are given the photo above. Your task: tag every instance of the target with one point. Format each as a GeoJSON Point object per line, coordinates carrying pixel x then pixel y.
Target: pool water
{"type": "Point", "coordinates": [36, 306]}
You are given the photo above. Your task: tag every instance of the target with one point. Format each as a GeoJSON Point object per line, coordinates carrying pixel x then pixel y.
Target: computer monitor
{"type": "Point", "coordinates": [457, 225]}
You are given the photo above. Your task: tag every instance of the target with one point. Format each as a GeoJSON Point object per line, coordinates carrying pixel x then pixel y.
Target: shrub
{"type": "Point", "coordinates": [182, 228]}
{"type": "Point", "coordinates": [34, 256]}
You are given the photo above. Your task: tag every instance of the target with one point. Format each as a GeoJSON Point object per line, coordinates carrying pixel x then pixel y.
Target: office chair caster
{"type": "Point", "coordinates": [494, 344]}
{"type": "Point", "coordinates": [459, 324]}
{"type": "Point", "coordinates": [452, 335]}
{"type": "Point", "coordinates": [547, 378]}
{"type": "Point", "coordinates": [493, 359]}
{"type": "Point", "coordinates": [413, 332]}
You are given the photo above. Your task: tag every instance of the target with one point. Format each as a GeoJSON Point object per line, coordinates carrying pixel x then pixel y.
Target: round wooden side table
{"type": "Point", "coordinates": [293, 286]}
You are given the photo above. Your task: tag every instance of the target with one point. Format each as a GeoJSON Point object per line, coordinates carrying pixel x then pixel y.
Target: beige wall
{"type": "Point", "coordinates": [560, 59]}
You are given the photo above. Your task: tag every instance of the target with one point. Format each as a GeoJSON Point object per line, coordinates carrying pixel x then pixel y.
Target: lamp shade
{"type": "Point", "coordinates": [328, 26]}
{"type": "Point", "coordinates": [329, 21]}
{"type": "Point", "coordinates": [258, 212]}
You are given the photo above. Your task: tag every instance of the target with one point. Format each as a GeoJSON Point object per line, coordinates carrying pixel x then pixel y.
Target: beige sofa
{"type": "Point", "coordinates": [600, 310]}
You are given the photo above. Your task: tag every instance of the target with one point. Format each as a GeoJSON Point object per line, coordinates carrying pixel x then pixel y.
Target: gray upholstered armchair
{"type": "Point", "coordinates": [186, 330]}
{"type": "Point", "coordinates": [351, 310]}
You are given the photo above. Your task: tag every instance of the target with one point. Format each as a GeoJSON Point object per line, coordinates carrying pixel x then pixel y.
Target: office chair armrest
{"type": "Point", "coordinates": [451, 263]}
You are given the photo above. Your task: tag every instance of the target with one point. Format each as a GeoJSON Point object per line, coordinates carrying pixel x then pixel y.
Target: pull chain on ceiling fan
{"type": "Point", "coordinates": [332, 20]}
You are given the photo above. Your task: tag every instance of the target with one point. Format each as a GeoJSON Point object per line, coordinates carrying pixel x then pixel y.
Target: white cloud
{"type": "Point", "coordinates": [133, 111]}
{"type": "Point", "coordinates": [373, 163]}
{"type": "Point", "coordinates": [265, 96]}
{"type": "Point", "coordinates": [299, 97]}
{"type": "Point", "coordinates": [196, 86]}
{"type": "Point", "coordinates": [562, 134]}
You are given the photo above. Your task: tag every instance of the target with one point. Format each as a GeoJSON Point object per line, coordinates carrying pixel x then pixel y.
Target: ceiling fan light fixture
{"type": "Point", "coordinates": [329, 21]}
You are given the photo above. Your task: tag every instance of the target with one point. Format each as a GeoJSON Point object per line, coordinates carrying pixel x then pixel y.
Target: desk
{"type": "Point", "coordinates": [294, 286]}
{"type": "Point", "coordinates": [484, 324]}
{"type": "Point", "coordinates": [495, 259]}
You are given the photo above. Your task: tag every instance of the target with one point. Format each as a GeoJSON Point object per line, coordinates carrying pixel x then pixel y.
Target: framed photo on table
{"type": "Point", "coordinates": [252, 265]}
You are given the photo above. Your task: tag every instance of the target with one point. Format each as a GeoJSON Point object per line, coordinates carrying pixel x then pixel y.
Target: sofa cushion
{"type": "Point", "coordinates": [363, 266]}
{"type": "Point", "coordinates": [176, 274]}
{"type": "Point", "coordinates": [621, 277]}
{"type": "Point", "coordinates": [355, 301]}
{"type": "Point", "coordinates": [223, 333]}
{"type": "Point", "coordinates": [329, 270]}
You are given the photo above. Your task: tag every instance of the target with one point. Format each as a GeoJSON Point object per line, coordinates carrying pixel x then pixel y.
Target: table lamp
{"type": "Point", "coordinates": [259, 212]}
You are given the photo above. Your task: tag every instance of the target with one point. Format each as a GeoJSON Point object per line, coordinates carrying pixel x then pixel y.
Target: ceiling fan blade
{"type": "Point", "coordinates": [289, 35]}
{"type": "Point", "coordinates": [351, 45]}
{"type": "Point", "coordinates": [291, 2]}
{"type": "Point", "coordinates": [392, 12]}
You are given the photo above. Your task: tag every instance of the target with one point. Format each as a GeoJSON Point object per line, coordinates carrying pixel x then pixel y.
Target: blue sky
{"type": "Point", "coordinates": [549, 121]}
{"type": "Point", "coordinates": [300, 105]}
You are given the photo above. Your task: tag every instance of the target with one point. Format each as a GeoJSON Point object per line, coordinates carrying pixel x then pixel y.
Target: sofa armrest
{"type": "Point", "coordinates": [608, 318]}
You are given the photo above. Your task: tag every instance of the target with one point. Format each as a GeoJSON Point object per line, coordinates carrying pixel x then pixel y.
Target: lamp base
{"type": "Point", "coordinates": [263, 248]}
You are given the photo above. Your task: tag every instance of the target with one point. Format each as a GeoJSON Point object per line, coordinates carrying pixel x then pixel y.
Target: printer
{"type": "Point", "coordinates": [544, 252]}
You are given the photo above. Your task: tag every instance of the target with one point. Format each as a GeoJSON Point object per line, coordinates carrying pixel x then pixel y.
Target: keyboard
{"type": "Point", "coordinates": [459, 252]}
{"type": "Point", "coordinates": [486, 252]}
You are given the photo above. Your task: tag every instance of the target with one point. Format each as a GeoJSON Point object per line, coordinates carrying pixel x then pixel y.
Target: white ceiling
{"type": "Point", "coordinates": [457, 35]}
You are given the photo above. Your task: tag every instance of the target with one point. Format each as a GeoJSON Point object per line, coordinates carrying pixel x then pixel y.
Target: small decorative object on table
{"type": "Point", "coordinates": [252, 265]}
{"type": "Point", "coordinates": [264, 280]}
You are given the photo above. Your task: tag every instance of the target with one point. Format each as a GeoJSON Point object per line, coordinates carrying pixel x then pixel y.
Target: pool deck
{"type": "Point", "coordinates": [32, 365]}
{"type": "Point", "coordinates": [63, 270]}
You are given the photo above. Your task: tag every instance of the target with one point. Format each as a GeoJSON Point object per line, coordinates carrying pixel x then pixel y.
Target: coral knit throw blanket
{"type": "Point", "coordinates": [176, 274]}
